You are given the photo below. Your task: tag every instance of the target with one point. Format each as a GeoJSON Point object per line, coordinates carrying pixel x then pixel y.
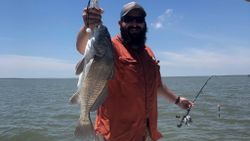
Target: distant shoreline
{"type": "Point", "coordinates": [233, 75]}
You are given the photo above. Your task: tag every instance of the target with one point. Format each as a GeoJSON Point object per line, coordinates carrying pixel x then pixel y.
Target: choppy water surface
{"type": "Point", "coordinates": [38, 110]}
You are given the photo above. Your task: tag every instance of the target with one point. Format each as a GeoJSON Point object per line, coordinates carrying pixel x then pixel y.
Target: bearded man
{"type": "Point", "coordinates": [129, 112]}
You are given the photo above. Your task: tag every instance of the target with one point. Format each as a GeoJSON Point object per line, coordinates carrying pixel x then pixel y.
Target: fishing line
{"type": "Point", "coordinates": [187, 118]}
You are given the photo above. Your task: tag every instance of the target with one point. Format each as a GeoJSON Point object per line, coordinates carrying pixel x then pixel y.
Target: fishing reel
{"type": "Point", "coordinates": [186, 119]}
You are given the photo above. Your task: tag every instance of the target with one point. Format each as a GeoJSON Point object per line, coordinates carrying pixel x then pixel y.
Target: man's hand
{"type": "Point", "coordinates": [185, 103]}
{"type": "Point", "coordinates": [92, 17]}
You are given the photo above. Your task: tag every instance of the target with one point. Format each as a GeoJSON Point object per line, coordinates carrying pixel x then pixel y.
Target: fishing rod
{"type": "Point", "coordinates": [186, 119]}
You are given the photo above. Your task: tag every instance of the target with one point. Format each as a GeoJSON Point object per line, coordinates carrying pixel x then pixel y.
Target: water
{"type": "Point", "coordinates": [38, 110]}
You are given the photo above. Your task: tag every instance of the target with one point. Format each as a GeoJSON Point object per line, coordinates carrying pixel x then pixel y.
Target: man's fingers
{"type": "Point", "coordinates": [94, 22]}
{"type": "Point", "coordinates": [93, 16]}
{"type": "Point", "coordinates": [92, 19]}
{"type": "Point", "coordinates": [93, 10]}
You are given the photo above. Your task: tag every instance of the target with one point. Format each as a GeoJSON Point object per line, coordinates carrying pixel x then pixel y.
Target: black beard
{"type": "Point", "coordinates": [134, 41]}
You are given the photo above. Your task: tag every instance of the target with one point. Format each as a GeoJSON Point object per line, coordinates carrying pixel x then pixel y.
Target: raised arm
{"type": "Point", "coordinates": [91, 17]}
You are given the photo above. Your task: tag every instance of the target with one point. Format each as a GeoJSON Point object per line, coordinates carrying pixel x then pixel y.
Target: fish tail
{"type": "Point", "coordinates": [85, 130]}
{"type": "Point", "coordinates": [74, 99]}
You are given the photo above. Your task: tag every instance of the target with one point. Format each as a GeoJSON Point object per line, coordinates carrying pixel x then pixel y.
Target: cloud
{"type": "Point", "coordinates": [34, 67]}
{"type": "Point", "coordinates": [205, 62]}
{"type": "Point", "coordinates": [162, 19]}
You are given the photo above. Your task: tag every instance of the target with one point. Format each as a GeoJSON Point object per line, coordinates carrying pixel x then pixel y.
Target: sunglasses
{"type": "Point", "coordinates": [129, 19]}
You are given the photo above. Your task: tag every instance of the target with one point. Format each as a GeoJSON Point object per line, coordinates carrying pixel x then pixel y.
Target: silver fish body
{"type": "Point", "coordinates": [95, 69]}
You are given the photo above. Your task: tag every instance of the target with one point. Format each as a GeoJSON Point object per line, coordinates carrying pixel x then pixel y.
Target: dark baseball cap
{"type": "Point", "coordinates": [132, 6]}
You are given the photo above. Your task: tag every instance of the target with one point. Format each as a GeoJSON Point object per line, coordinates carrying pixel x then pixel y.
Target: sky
{"type": "Point", "coordinates": [188, 37]}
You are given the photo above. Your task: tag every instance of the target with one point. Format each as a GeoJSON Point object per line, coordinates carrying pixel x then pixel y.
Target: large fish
{"type": "Point", "coordinates": [95, 70]}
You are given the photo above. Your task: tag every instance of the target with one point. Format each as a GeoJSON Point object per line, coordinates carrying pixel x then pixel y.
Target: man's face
{"type": "Point", "coordinates": [133, 29]}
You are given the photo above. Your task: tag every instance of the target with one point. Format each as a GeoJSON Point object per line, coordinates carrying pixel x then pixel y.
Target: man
{"type": "Point", "coordinates": [130, 111]}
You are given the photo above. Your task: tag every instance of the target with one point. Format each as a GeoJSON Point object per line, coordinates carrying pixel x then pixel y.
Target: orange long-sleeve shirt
{"type": "Point", "coordinates": [131, 104]}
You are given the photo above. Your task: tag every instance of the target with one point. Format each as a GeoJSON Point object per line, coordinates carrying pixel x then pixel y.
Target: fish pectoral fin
{"type": "Point", "coordinates": [79, 67]}
{"type": "Point", "coordinates": [100, 99]}
{"type": "Point", "coordinates": [74, 99]}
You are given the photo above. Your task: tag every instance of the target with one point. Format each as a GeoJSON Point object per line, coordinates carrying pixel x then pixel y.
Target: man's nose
{"type": "Point", "coordinates": [134, 22]}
